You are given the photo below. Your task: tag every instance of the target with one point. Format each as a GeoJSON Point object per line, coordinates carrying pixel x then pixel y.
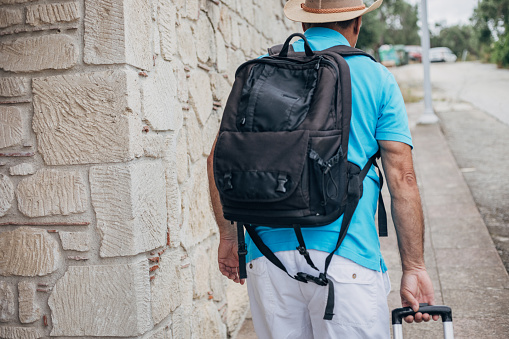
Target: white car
{"type": "Point", "coordinates": [441, 54]}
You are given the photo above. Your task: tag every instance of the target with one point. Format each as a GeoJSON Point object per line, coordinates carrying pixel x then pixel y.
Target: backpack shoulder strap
{"type": "Point", "coordinates": [348, 51]}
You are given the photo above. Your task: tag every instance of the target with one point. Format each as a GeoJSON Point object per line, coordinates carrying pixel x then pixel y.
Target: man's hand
{"type": "Point", "coordinates": [228, 259]}
{"type": "Point", "coordinates": [416, 287]}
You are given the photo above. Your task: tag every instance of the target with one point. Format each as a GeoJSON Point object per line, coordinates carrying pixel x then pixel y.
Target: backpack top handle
{"type": "Point", "coordinates": [286, 46]}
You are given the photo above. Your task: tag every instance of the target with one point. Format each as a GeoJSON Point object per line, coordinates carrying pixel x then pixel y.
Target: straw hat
{"type": "Point", "coordinates": [314, 11]}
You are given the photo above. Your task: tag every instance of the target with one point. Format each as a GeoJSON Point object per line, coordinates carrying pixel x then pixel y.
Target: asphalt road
{"type": "Point", "coordinates": [472, 102]}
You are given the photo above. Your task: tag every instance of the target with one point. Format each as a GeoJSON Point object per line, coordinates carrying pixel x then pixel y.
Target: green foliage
{"type": "Point", "coordinates": [491, 22]}
{"type": "Point", "coordinates": [457, 38]}
{"type": "Point", "coordinates": [395, 22]}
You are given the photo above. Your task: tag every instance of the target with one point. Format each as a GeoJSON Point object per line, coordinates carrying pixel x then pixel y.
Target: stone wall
{"type": "Point", "coordinates": [108, 109]}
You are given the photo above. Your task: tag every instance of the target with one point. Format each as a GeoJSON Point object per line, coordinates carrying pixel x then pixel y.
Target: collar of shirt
{"type": "Point", "coordinates": [320, 38]}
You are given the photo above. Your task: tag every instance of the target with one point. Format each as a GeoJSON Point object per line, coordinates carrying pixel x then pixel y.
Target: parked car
{"type": "Point", "coordinates": [441, 54]}
{"type": "Point", "coordinates": [414, 53]}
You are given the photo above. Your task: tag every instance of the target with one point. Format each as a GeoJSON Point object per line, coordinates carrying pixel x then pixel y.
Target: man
{"type": "Point", "coordinates": [284, 308]}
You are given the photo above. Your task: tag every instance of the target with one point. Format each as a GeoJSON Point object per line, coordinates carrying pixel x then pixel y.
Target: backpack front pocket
{"type": "Point", "coordinates": [262, 170]}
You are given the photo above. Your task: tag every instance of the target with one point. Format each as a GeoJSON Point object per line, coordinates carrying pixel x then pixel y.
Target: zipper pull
{"type": "Point", "coordinates": [318, 63]}
{"type": "Point", "coordinates": [243, 121]}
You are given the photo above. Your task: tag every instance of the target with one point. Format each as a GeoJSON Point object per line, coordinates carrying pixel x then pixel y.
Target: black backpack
{"type": "Point", "coordinates": [281, 155]}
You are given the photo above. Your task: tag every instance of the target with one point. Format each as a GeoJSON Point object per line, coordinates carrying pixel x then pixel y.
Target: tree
{"type": "Point", "coordinates": [394, 23]}
{"type": "Point", "coordinates": [491, 21]}
{"type": "Point", "coordinates": [457, 38]}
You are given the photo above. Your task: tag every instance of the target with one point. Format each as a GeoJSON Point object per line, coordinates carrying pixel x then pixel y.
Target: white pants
{"type": "Point", "coordinates": [285, 308]}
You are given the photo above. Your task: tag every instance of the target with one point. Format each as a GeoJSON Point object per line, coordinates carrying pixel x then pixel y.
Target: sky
{"type": "Point", "coordinates": [451, 12]}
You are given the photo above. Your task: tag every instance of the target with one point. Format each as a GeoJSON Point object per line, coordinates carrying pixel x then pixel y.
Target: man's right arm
{"type": "Point", "coordinates": [416, 286]}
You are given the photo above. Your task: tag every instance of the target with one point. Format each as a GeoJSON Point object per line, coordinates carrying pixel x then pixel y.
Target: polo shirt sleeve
{"type": "Point", "coordinates": [392, 124]}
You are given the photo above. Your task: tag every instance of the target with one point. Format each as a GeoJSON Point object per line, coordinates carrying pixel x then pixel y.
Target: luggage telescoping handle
{"type": "Point", "coordinates": [286, 46]}
{"type": "Point", "coordinates": [444, 311]}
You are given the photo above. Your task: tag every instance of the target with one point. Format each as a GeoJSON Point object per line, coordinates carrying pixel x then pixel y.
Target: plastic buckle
{"type": "Point", "coordinates": [242, 249]}
{"type": "Point", "coordinates": [304, 277]}
{"type": "Point", "coordinates": [302, 250]}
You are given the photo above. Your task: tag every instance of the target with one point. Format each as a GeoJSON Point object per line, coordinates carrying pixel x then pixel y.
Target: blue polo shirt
{"type": "Point", "coordinates": [378, 113]}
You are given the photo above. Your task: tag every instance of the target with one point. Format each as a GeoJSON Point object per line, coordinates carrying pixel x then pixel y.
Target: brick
{"type": "Point", "coordinates": [52, 13]}
{"type": "Point", "coordinates": [75, 241]}
{"type": "Point", "coordinates": [11, 126]}
{"type": "Point", "coordinates": [186, 44]}
{"type": "Point", "coordinates": [108, 300]}
{"type": "Point", "coordinates": [130, 206]}
{"type": "Point", "coordinates": [205, 40]}
{"type": "Point", "coordinates": [7, 307]}
{"type": "Point", "coordinates": [22, 169]}
{"type": "Point", "coordinates": [100, 123]}
{"type": "Point", "coordinates": [200, 95]}
{"type": "Point", "coordinates": [10, 17]}
{"type": "Point", "coordinates": [28, 252]}
{"type": "Point", "coordinates": [6, 194]}
{"type": "Point", "coordinates": [10, 332]}
{"type": "Point", "coordinates": [55, 51]}
{"type": "Point", "coordinates": [29, 311]}
{"type": "Point", "coordinates": [52, 192]}
{"type": "Point", "coordinates": [167, 14]}
{"type": "Point", "coordinates": [118, 32]}
{"type": "Point", "coordinates": [161, 109]}
{"type": "Point", "coordinates": [13, 86]}
{"type": "Point", "coordinates": [165, 287]}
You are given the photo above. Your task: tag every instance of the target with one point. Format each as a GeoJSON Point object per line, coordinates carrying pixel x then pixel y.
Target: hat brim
{"type": "Point", "coordinates": [294, 12]}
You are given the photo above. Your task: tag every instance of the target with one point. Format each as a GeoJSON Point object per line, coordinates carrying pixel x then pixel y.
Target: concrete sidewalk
{"type": "Point", "coordinates": [462, 261]}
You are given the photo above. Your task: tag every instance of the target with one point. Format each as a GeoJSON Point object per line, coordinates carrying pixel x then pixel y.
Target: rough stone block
{"type": "Point", "coordinates": [153, 146]}
{"type": "Point", "coordinates": [75, 241]}
{"type": "Point", "coordinates": [55, 51]}
{"type": "Point", "coordinates": [205, 40]}
{"type": "Point", "coordinates": [6, 194]}
{"type": "Point", "coordinates": [161, 109]}
{"type": "Point", "coordinates": [22, 169]}
{"type": "Point", "coordinates": [238, 304]}
{"type": "Point", "coordinates": [10, 332]}
{"type": "Point", "coordinates": [186, 45]}
{"type": "Point", "coordinates": [52, 192]}
{"type": "Point", "coordinates": [210, 132]}
{"type": "Point", "coordinates": [165, 287]}
{"type": "Point", "coordinates": [28, 252]}
{"type": "Point", "coordinates": [130, 205]}
{"type": "Point", "coordinates": [86, 118]}
{"type": "Point", "coordinates": [11, 126]}
{"type": "Point", "coordinates": [52, 13]}
{"type": "Point", "coordinates": [10, 17]}
{"type": "Point", "coordinates": [118, 32]}
{"type": "Point", "coordinates": [7, 309]}
{"type": "Point", "coordinates": [29, 311]}
{"type": "Point", "coordinates": [225, 26]}
{"type": "Point", "coordinates": [200, 260]}
{"type": "Point", "coordinates": [109, 300]}
{"type": "Point", "coordinates": [161, 333]}
{"type": "Point", "coordinates": [10, 2]}
{"type": "Point", "coordinates": [13, 86]}
{"type": "Point", "coordinates": [167, 14]}
{"type": "Point", "coordinates": [201, 95]}
{"type": "Point", "coordinates": [180, 74]}
{"type": "Point", "coordinates": [182, 157]}
{"type": "Point", "coordinates": [173, 199]}
{"type": "Point", "coordinates": [201, 223]}
{"type": "Point", "coordinates": [222, 55]}
{"type": "Point", "coordinates": [193, 9]}
{"type": "Point", "coordinates": [194, 137]}
{"type": "Point", "coordinates": [207, 321]}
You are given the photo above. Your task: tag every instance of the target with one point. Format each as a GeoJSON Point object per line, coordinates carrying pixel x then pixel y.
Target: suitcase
{"type": "Point", "coordinates": [444, 311]}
